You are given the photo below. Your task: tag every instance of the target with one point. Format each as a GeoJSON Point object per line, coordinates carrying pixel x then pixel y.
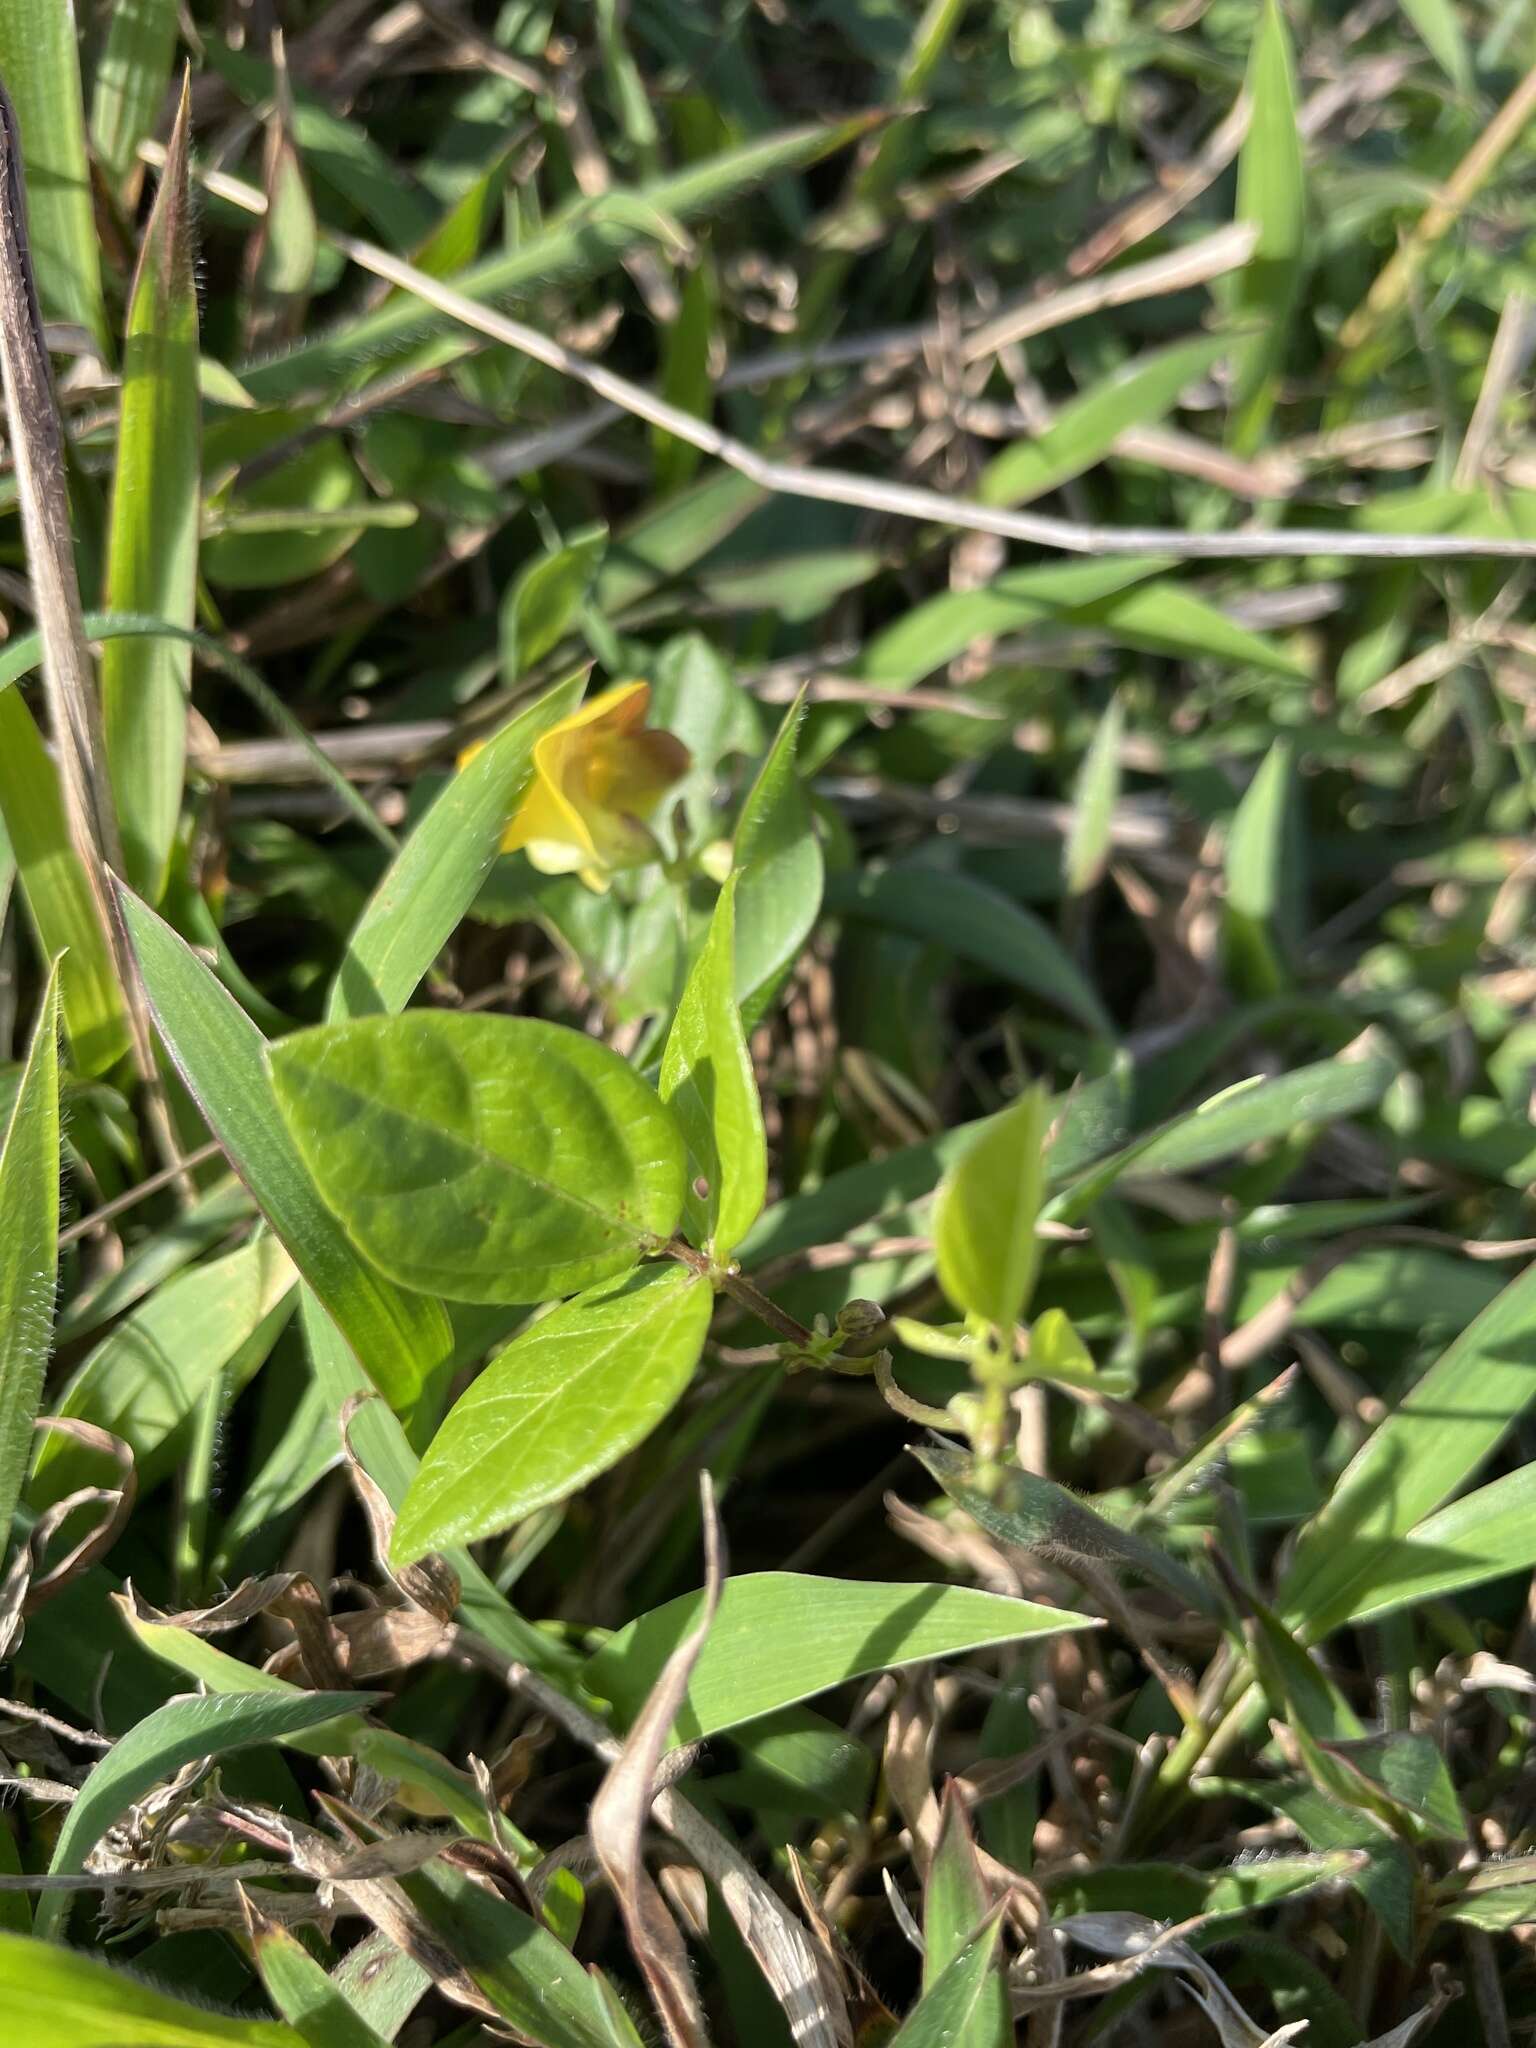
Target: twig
{"type": "Point", "coordinates": [872, 494]}
{"type": "Point", "coordinates": [131, 1197]}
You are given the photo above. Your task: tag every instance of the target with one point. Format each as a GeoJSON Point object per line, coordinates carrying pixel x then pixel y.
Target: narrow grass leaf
{"type": "Point", "coordinates": [400, 1339]}
{"type": "Point", "coordinates": [213, 1326]}
{"type": "Point", "coordinates": [29, 1249]}
{"type": "Point", "coordinates": [1253, 1112]}
{"type": "Point", "coordinates": [947, 2013]}
{"type": "Point", "coordinates": [434, 879]}
{"type": "Point", "coordinates": [1271, 193]}
{"type": "Point", "coordinates": [780, 1637]}
{"type": "Point", "coordinates": [1084, 431]}
{"type": "Point", "coordinates": [1487, 1534]}
{"type": "Point", "coordinates": [532, 1979]}
{"type": "Point", "coordinates": [978, 924]}
{"type": "Point", "coordinates": [69, 2000]}
{"type": "Point", "coordinates": [780, 873]}
{"type": "Point", "coordinates": [57, 894]}
{"type": "Point", "coordinates": [564, 1401]}
{"type": "Point", "coordinates": [707, 1080]}
{"type": "Point", "coordinates": [152, 533]}
{"type": "Point", "coordinates": [1263, 882]}
{"type": "Point", "coordinates": [1446, 1426]}
{"type": "Point", "coordinates": [1096, 791]}
{"type": "Point", "coordinates": [587, 240]}
{"type": "Point", "coordinates": [128, 89]}
{"type": "Point", "coordinates": [956, 1902]}
{"type": "Point", "coordinates": [40, 65]}
{"type": "Point", "coordinates": [154, 1749]}
{"type": "Point", "coordinates": [302, 1990]}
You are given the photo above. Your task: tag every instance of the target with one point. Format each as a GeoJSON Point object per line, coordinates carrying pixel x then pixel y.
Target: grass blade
{"type": "Point", "coordinates": [184, 1729]}
{"type": "Point", "coordinates": [29, 1249]}
{"type": "Point", "coordinates": [1271, 192]}
{"type": "Point", "coordinates": [152, 536]}
{"type": "Point", "coordinates": [434, 879]}
{"type": "Point", "coordinates": [40, 65]}
{"type": "Point", "coordinates": [1448, 1424]}
{"type": "Point", "coordinates": [128, 90]}
{"type": "Point", "coordinates": [584, 242]}
{"type": "Point", "coordinates": [56, 892]}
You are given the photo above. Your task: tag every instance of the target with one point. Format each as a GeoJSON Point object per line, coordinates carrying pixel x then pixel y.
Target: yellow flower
{"type": "Point", "coordinates": [597, 776]}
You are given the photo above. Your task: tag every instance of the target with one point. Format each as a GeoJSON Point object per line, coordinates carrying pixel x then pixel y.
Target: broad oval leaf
{"type": "Point", "coordinates": [985, 1214]}
{"type": "Point", "coordinates": [778, 1637]}
{"type": "Point", "coordinates": [564, 1401]}
{"type": "Point", "coordinates": [482, 1158]}
{"type": "Point", "coordinates": [707, 1079]}
{"type": "Point", "coordinates": [399, 1339]}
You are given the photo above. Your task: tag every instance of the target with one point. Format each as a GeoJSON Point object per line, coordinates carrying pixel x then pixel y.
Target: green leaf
{"type": "Point", "coordinates": [152, 533]}
{"type": "Point", "coordinates": [29, 1249]}
{"type": "Point", "coordinates": [1083, 432]}
{"type": "Point", "coordinates": [1440, 27]}
{"type": "Point", "coordinates": [956, 1901]}
{"type": "Point", "coordinates": [304, 1994]}
{"type": "Point", "coordinates": [399, 1339]}
{"type": "Point", "coordinates": [976, 923]}
{"type": "Point", "coordinates": [65, 1999]}
{"type": "Point", "coordinates": [1114, 598]}
{"type": "Point", "coordinates": [946, 2014]}
{"type": "Point", "coordinates": [188, 1727]}
{"type": "Point", "coordinates": [685, 378]}
{"type": "Point", "coordinates": [1263, 884]}
{"type": "Point", "coordinates": [381, 1445]}
{"type": "Point", "coordinates": [1272, 193]}
{"type": "Point", "coordinates": [779, 1637]}
{"type": "Point", "coordinates": [532, 1979]}
{"type": "Point", "coordinates": [40, 64]}
{"type": "Point", "coordinates": [708, 1082]}
{"type": "Point", "coordinates": [303, 516]}
{"type": "Point", "coordinates": [986, 1209]}
{"type": "Point", "coordinates": [1447, 1425]}
{"type": "Point", "coordinates": [586, 240]}
{"type": "Point", "coordinates": [56, 892]}
{"type": "Point", "coordinates": [565, 1400]}
{"type": "Point", "coordinates": [779, 874]}
{"type": "Point", "coordinates": [1484, 1535]}
{"type": "Point", "coordinates": [1252, 1112]}
{"type": "Point", "coordinates": [129, 88]}
{"type": "Point", "coordinates": [215, 1324]}
{"type": "Point", "coordinates": [1085, 851]}
{"type": "Point", "coordinates": [434, 879]}
{"type": "Point", "coordinates": [1032, 1513]}
{"type": "Point", "coordinates": [482, 1158]}
{"type": "Point", "coordinates": [545, 602]}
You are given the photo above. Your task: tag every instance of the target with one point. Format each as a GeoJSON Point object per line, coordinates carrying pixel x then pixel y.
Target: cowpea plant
{"type": "Point", "coordinates": [765, 847]}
